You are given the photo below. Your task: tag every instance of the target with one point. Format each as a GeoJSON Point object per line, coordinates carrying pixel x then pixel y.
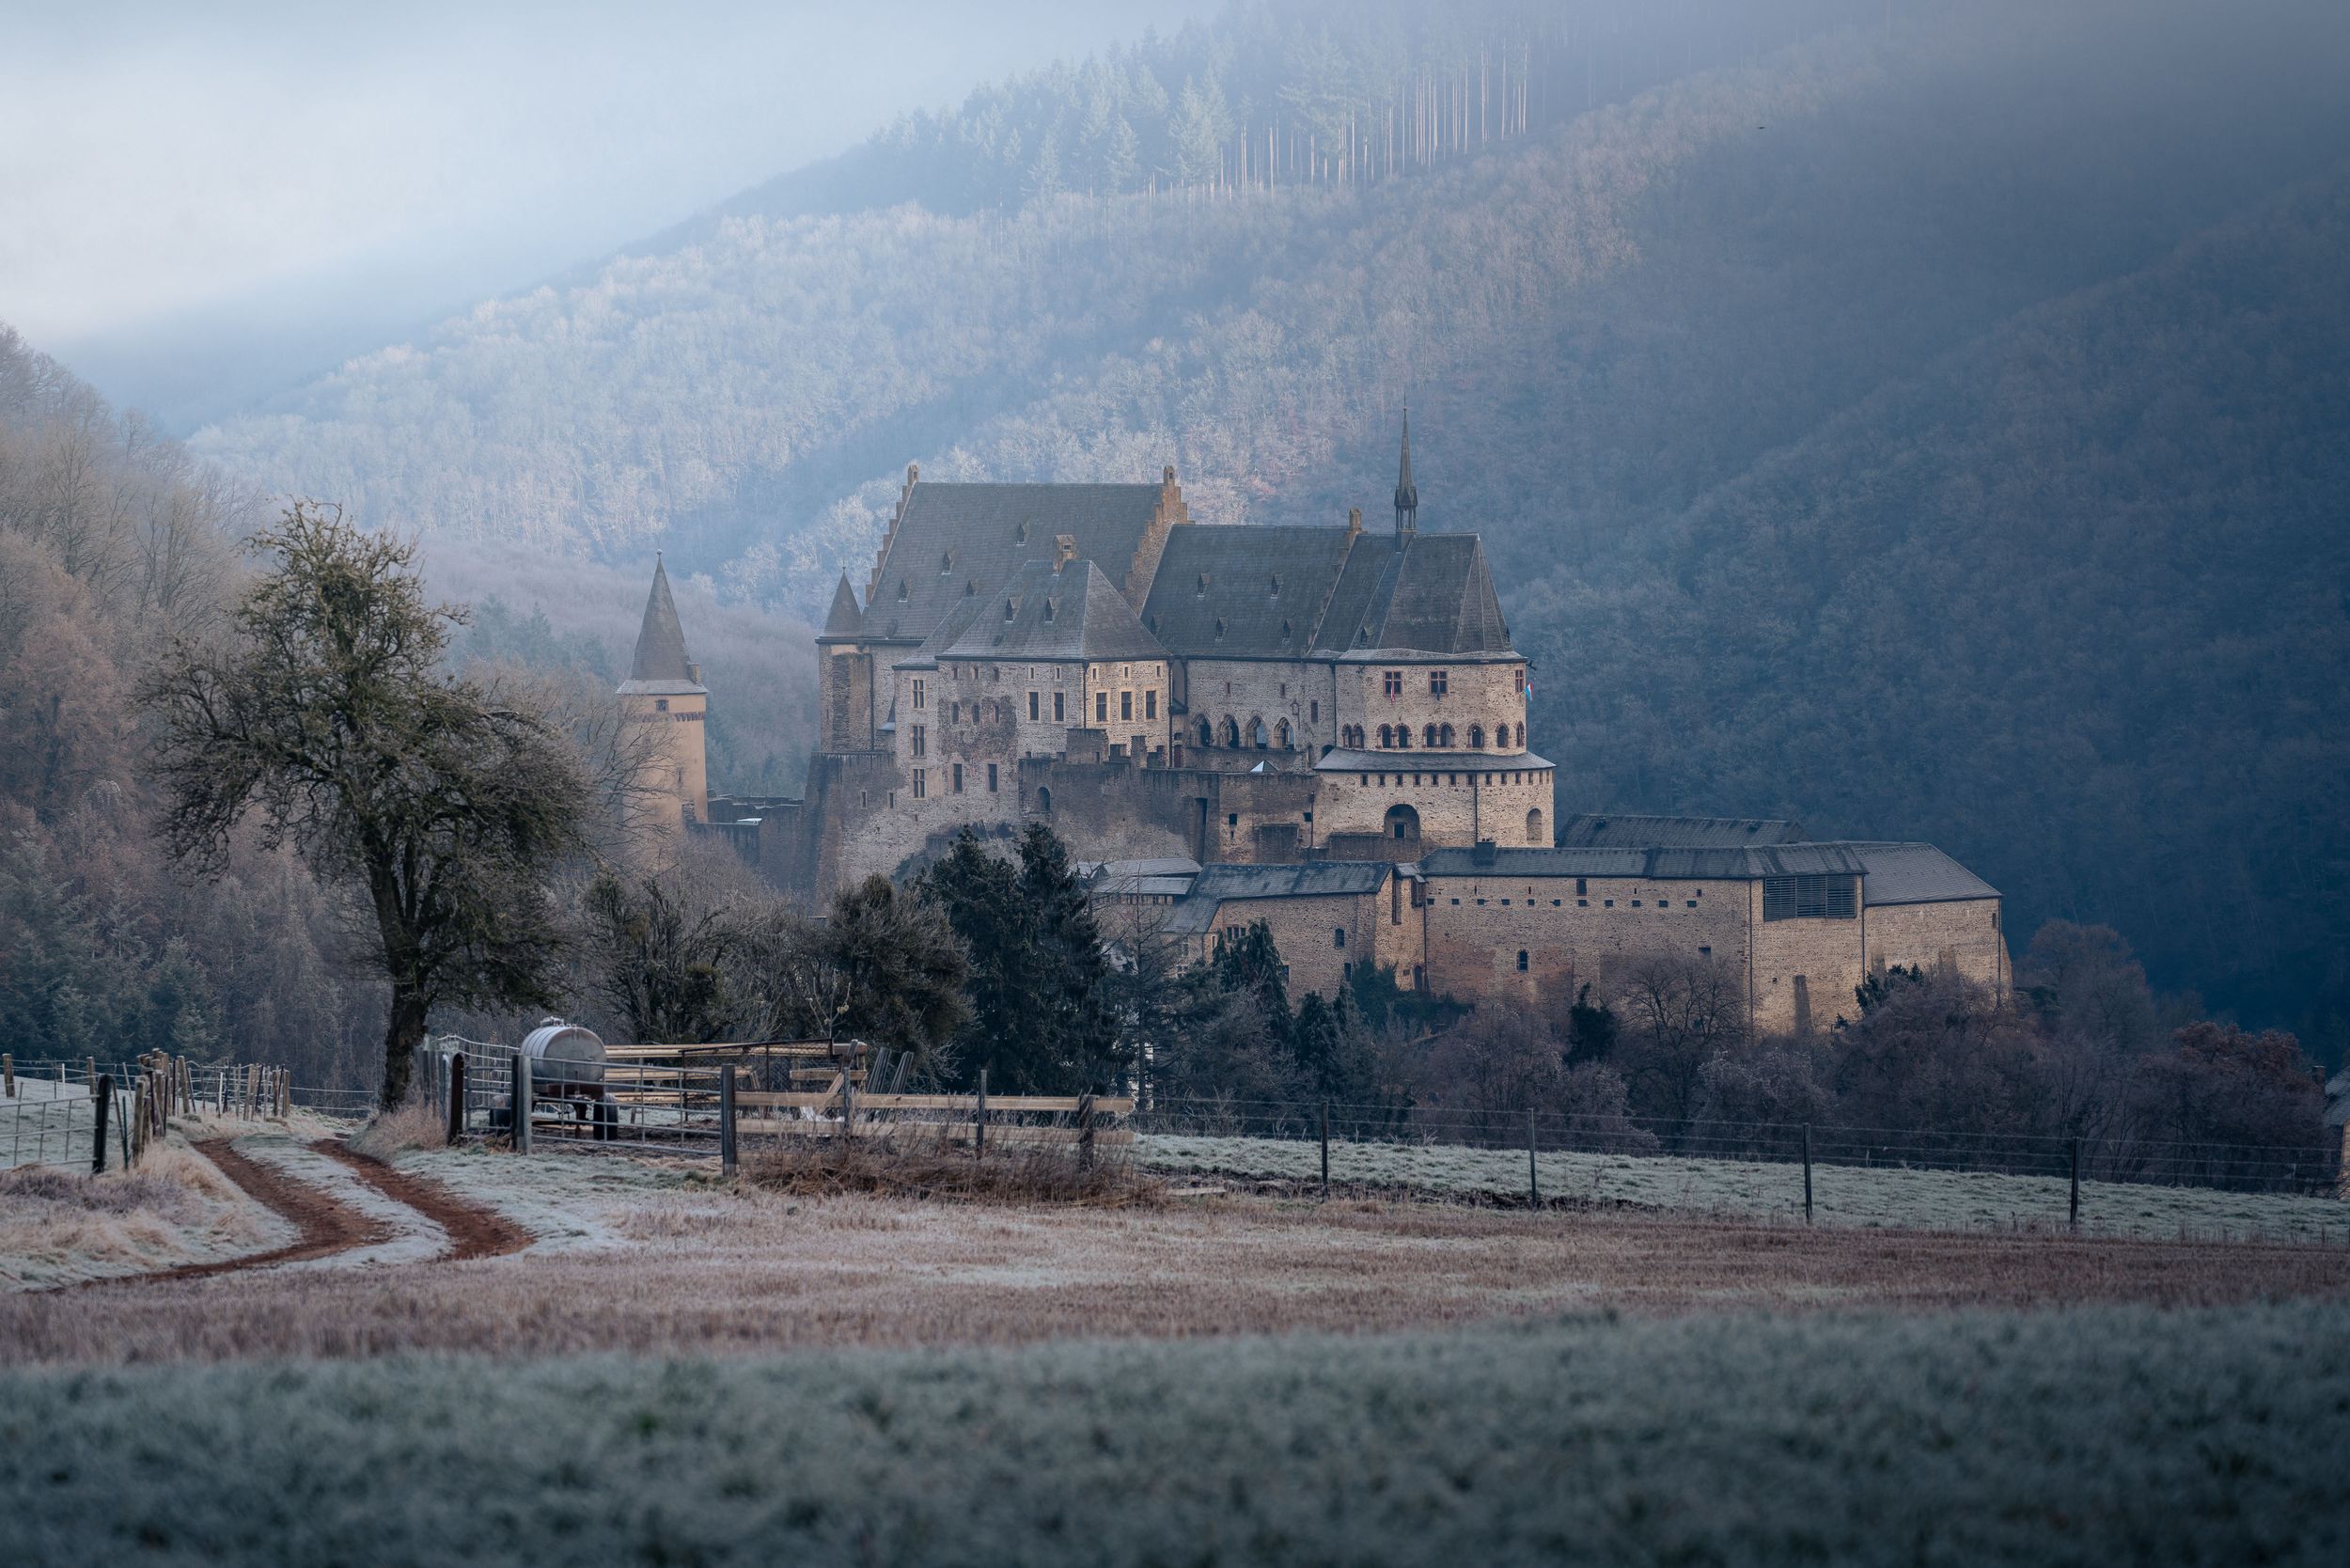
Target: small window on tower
{"type": "Point", "coordinates": [660, 704]}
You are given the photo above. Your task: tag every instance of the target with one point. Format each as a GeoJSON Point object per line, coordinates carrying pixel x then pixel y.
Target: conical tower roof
{"type": "Point", "coordinates": [1406, 492]}
{"type": "Point", "coordinates": [844, 620]}
{"type": "Point", "coordinates": [662, 666]}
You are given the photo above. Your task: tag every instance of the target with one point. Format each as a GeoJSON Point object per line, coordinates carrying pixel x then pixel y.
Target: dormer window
{"type": "Point", "coordinates": [1277, 585]}
{"type": "Point", "coordinates": [971, 589]}
{"type": "Point", "coordinates": [946, 564]}
{"type": "Point", "coordinates": [1010, 609]}
{"type": "Point", "coordinates": [902, 590]}
{"type": "Point", "coordinates": [1051, 607]}
{"type": "Point", "coordinates": [1020, 535]}
{"type": "Point", "coordinates": [1219, 628]}
{"type": "Point", "coordinates": [1285, 631]}
{"type": "Point", "coordinates": [1203, 585]}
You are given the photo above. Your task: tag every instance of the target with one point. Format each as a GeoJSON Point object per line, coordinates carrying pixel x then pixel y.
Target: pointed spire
{"type": "Point", "coordinates": [1406, 492]}
{"type": "Point", "coordinates": [661, 641]}
{"type": "Point", "coordinates": [843, 621]}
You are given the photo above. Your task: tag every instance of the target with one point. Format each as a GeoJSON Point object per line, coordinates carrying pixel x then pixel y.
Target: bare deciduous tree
{"type": "Point", "coordinates": [441, 805]}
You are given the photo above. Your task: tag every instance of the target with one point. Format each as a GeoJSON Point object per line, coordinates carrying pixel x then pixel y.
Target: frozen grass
{"type": "Point", "coordinates": [832, 1168]}
{"type": "Point", "coordinates": [412, 1126]}
{"type": "Point", "coordinates": [410, 1237]}
{"type": "Point", "coordinates": [698, 1269]}
{"type": "Point", "coordinates": [58, 1227]}
{"type": "Point", "coordinates": [2094, 1436]}
{"type": "Point", "coordinates": [567, 1202]}
{"type": "Point", "coordinates": [1881, 1196]}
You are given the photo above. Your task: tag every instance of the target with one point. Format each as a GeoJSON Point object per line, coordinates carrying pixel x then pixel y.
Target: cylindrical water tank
{"type": "Point", "coordinates": [564, 1060]}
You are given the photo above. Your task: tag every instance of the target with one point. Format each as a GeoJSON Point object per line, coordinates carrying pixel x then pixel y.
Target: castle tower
{"type": "Point", "coordinates": [844, 672]}
{"type": "Point", "coordinates": [664, 700]}
{"type": "Point", "coordinates": [1406, 492]}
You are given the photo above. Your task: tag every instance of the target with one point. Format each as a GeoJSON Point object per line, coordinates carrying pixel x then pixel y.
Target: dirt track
{"type": "Point", "coordinates": [473, 1231]}
{"type": "Point", "coordinates": [326, 1224]}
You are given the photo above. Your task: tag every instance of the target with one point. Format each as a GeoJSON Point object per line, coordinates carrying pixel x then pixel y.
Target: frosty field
{"type": "Point", "coordinates": [2105, 1435]}
{"type": "Point", "coordinates": [1880, 1197]}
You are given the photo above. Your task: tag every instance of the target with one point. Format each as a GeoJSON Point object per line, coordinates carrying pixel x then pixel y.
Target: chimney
{"type": "Point", "coordinates": [1064, 550]}
{"type": "Point", "coordinates": [693, 672]}
{"type": "Point", "coordinates": [1353, 521]}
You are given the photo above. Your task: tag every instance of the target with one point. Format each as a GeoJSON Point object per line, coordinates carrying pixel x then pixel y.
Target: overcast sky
{"type": "Point", "coordinates": [158, 159]}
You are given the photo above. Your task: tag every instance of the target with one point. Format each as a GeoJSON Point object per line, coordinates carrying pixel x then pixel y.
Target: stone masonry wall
{"type": "Point", "coordinates": [1478, 924]}
{"type": "Point", "coordinates": [1964, 933]}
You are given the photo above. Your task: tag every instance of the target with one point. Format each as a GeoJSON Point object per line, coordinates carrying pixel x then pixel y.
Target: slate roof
{"type": "Point", "coordinates": [952, 535]}
{"type": "Point", "coordinates": [1219, 884]}
{"type": "Point", "coordinates": [1617, 830]}
{"type": "Point", "coordinates": [844, 620]}
{"type": "Point", "coordinates": [1435, 596]}
{"type": "Point", "coordinates": [1891, 874]}
{"type": "Point", "coordinates": [1046, 612]}
{"type": "Point", "coordinates": [1340, 591]}
{"type": "Point", "coordinates": [662, 667]}
{"type": "Point", "coordinates": [1916, 873]}
{"type": "Point", "coordinates": [1241, 592]}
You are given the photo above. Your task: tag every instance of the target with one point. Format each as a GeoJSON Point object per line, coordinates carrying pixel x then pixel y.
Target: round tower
{"type": "Point", "coordinates": [666, 705]}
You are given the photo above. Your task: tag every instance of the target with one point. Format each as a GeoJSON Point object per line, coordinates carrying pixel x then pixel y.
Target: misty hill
{"type": "Point", "coordinates": [1654, 351]}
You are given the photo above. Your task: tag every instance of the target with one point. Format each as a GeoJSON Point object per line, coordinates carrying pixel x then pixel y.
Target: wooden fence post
{"type": "Point", "coordinates": [978, 1122]}
{"type": "Point", "coordinates": [522, 1096]}
{"type": "Point", "coordinates": [1533, 1181]}
{"type": "Point", "coordinates": [1085, 1131]}
{"type": "Point", "coordinates": [456, 1096]}
{"type": "Point", "coordinates": [2075, 1220]}
{"type": "Point", "coordinates": [101, 1101]}
{"type": "Point", "coordinates": [1325, 1148]}
{"type": "Point", "coordinates": [8, 1073]}
{"type": "Point", "coordinates": [726, 1120]}
{"type": "Point", "coordinates": [1807, 1173]}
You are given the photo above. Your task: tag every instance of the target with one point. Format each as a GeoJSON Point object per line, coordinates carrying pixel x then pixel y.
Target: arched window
{"type": "Point", "coordinates": [1403, 737]}
{"type": "Point", "coordinates": [1044, 800]}
{"type": "Point", "coordinates": [1258, 736]}
{"type": "Point", "coordinates": [1207, 733]}
{"type": "Point", "coordinates": [1428, 737]}
{"type": "Point", "coordinates": [1444, 736]}
{"type": "Point", "coordinates": [1501, 736]}
{"type": "Point", "coordinates": [1534, 827]}
{"type": "Point", "coordinates": [1387, 735]}
{"type": "Point", "coordinates": [1231, 731]}
{"type": "Point", "coordinates": [1521, 737]}
{"type": "Point", "coordinates": [1403, 824]}
{"type": "Point", "coordinates": [1281, 734]}
{"type": "Point", "coordinates": [1477, 737]}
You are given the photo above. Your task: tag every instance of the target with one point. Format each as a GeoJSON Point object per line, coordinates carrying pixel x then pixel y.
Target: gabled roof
{"type": "Point", "coordinates": [1242, 592]}
{"type": "Point", "coordinates": [1048, 612]}
{"type": "Point", "coordinates": [1616, 830]}
{"type": "Point", "coordinates": [844, 620]}
{"type": "Point", "coordinates": [1339, 590]}
{"type": "Point", "coordinates": [1216, 885]}
{"type": "Point", "coordinates": [662, 666]}
{"type": "Point", "coordinates": [948, 537]}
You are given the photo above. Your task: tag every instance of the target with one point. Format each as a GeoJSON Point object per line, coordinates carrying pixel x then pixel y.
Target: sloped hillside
{"type": "Point", "coordinates": [2075, 603]}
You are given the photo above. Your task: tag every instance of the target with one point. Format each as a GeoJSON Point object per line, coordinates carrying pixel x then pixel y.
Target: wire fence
{"type": "Point", "coordinates": [2308, 1170]}
{"type": "Point", "coordinates": [50, 1110]}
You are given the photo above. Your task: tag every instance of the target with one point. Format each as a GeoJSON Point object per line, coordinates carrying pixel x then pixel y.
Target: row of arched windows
{"type": "Point", "coordinates": [1397, 737]}
{"type": "Point", "coordinates": [1229, 733]}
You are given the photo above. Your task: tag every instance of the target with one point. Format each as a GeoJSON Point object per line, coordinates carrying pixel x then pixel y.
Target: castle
{"type": "Point", "coordinates": [1321, 728]}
